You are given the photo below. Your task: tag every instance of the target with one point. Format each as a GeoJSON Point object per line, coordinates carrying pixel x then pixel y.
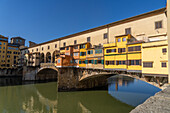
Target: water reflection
{"type": "Point", "coordinates": [129, 90]}
{"type": "Point", "coordinates": [44, 98]}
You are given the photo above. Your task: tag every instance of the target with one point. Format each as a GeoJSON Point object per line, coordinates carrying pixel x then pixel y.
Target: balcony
{"type": "Point", "coordinates": [111, 44]}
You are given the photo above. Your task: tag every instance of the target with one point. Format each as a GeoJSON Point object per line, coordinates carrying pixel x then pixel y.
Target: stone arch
{"type": "Point", "coordinates": [47, 74]}
{"type": "Point", "coordinates": [42, 58]}
{"type": "Point", "coordinates": [48, 57]}
{"type": "Point", "coordinates": [55, 55]}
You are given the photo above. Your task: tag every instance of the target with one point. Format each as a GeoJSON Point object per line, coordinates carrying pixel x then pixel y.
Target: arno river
{"type": "Point", "coordinates": [121, 96]}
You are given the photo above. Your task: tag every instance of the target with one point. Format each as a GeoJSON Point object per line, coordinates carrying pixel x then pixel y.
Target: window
{"type": "Point", "coordinates": [119, 40]}
{"type": "Point", "coordinates": [105, 35]}
{"type": "Point", "coordinates": [124, 39]}
{"type": "Point", "coordinates": [108, 51]}
{"type": "Point", "coordinates": [89, 52]}
{"type": "Point", "coordinates": [130, 49]}
{"type": "Point", "coordinates": [164, 64]}
{"type": "Point", "coordinates": [88, 39]}
{"type": "Point", "coordinates": [32, 50]}
{"type": "Point", "coordinates": [164, 50]}
{"type": "Point", "coordinates": [64, 44]}
{"type": "Point", "coordinates": [128, 31]}
{"type": "Point", "coordinates": [135, 48]}
{"type": "Point", "coordinates": [75, 47]}
{"type": "Point", "coordinates": [75, 54]}
{"type": "Point", "coordinates": [55, 45]}
{"type": "Point", "coordinates": [99, 61]}
{"type": "Point", "coordinates": [137, 62]}
{"type": "Point", "coordinates": [112, 62]}
{"type": "Point", "coordinates": [123, 50]}
{"type": "Point", "coordinates": [98, 51]}
{"type": "Point", "coordinates": [37, 49]}
{"type": "Point", "coordinates": [48, 47]}
{"type": "Point", "coordinates": [113, 50]}
{"type": "Point", "coordinates": [75, 41]}
{"type": "Point", "coordinates": [120, 50]}
{"type": "Point", "coordinates": [42, 48]}
{"type": "Point", "coordinates": [67, 48]}
{"type": "Point", "coordinates": [90, 61]}
{"type": "Point", "coordinates": [158, 24]}
{"type": "Point", "coordinates": [58, 60]}
{"type": "Point", "coordinates": [76, 61]}
{"type": "Point", "coordinates": [82, 53]}
{"type": "Point", "coordinates": [82, 46]}
{"type": "Point", "coordinates": [107, 62]}
{"type": "Point", "coordinates": [134, 62]}
{"type": "Point", "coordinates": [148, 64]}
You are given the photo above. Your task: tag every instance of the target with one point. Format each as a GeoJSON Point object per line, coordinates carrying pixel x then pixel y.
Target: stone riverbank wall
{"type": "Point", "coordinates": [159, 103]}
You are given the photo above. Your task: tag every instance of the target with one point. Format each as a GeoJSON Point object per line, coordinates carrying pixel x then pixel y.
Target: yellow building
{"type": "Point", "coordinates": [8, 53]}
{"type": "Point", "coordinates": [115, 54]}
{"type": "Point", "coordinates": [155, 58]}
{"type": "Point", "coordinates": [12, 56]}
{"type": "Point", "coordinates": [3, 51]}
{"type": "Point", "coordinates": [134, 57]}
{"type": "Point", "coordinates": [83, 50]}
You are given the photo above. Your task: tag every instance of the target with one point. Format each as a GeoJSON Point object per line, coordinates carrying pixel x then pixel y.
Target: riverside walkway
{"type": "Point", "coordinates": [159, 103]}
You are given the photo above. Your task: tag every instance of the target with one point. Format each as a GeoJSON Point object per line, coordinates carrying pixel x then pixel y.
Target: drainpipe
{"type": "Point", "coordinates": [168, 34]}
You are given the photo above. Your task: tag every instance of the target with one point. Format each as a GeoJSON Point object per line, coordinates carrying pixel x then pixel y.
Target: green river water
{"type": "Point", "coordinates": [44, 98]}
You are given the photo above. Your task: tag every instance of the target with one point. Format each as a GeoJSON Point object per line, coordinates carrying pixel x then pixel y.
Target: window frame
{"type": "Point", "coordinates": [128, 30]}
{"type": "Point", "coordinates": [105, 35]}
{"type": "Point", "coordinates": [158, 25]}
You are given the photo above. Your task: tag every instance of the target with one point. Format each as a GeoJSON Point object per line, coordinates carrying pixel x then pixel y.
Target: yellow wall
{"type": "Point", "coordinates": [82, 64]}
{"type": "Point", "coordinates": [154, 54]}
{"type": "Point", "coordinates": [3, 53]}
{"type": "Point", "coordinates": [115, 56]}
{"type": "Point", "coordinates": [11, 59]}
{"type": "Point", "coordinates": [7, 55]}
{"type": "Point", "coordinates": [134, 55]}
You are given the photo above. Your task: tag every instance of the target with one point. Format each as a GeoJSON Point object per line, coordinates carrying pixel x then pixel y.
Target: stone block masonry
{"type": "Point", "coordinates": [159, 103]}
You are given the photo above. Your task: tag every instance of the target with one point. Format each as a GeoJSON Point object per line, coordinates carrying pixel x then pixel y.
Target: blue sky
{"type": "Point", "coordinates": [44, 20]}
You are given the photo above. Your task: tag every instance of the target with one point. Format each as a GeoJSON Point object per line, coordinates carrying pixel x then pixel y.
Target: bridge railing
{"type": "Point", "coordinates": [47, 65]}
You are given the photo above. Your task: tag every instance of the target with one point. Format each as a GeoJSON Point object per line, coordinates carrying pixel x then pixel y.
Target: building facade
{"type": "Point", "coordinates": [118, 46]}
{"type": "Point", "coordinates": [9, 54]}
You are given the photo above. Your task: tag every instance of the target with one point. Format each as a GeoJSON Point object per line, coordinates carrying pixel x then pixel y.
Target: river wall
{"type": "Point", "coordinates": [159, 103]}
{"type": "Point", "coordinates": [10, 76]}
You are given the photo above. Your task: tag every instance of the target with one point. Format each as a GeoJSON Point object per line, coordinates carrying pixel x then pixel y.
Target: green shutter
{"type": "Point", "coordinates": [92, 61]}
{"type": "Point", "coordinates": [102, 61]}
{"type": "Point", "coordinates": [79, 61]}
{"type": "Point", "coordinates": [95, 62]}
{"type": "Point", "coordinates": [86, 61]}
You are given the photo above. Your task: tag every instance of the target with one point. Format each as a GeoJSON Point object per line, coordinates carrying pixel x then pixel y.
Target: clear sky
{"type": "Point", "coordinates": [44, 20]}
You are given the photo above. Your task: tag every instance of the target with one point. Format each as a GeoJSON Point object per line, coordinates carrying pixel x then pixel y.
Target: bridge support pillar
{"type": "Point", "coordinates": [68, 79]}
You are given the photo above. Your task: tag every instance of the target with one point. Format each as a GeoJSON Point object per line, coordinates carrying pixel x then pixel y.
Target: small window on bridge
{"type": "Point", "coordinates": [164, 64]}
{"type": "Point", "coordinates": [147, 64]}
